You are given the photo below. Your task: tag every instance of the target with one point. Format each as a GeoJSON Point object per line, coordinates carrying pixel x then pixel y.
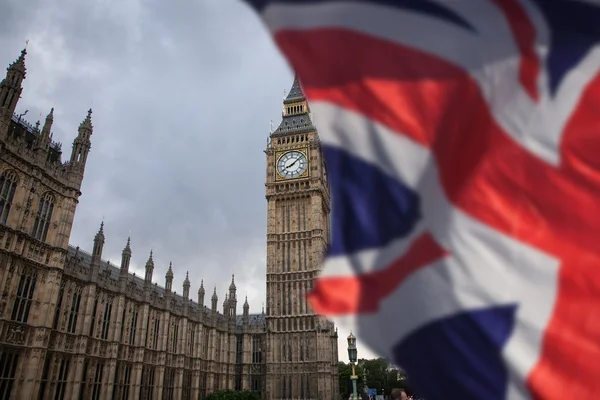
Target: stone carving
{"type": "Point", "coordinates": [15, 335]}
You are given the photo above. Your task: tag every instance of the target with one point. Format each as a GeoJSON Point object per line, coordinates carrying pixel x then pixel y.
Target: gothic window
{"type": "Point", "coordinates": [301, 353]}
{"type": "Point", "coordinates": [218, 355]}
{"type": "Point", "coordinates": [147, 329]}
{"type": "Point", "coordinates": [45, 373]}
{"type": "Point", "coordinates": [84, 380]}
{"type": "Point", "coordinates": [97, 382]}
{"type": "Point", "coordinates": [106, 320]}
{"type": "Point", "coordinates": [307, 387]}
{"type": "Point", "coordinates": [283, 387]}
{"type": "Point", "coordinates": [169, 384]}
{"type": "Point", "coordinates": [9, 358]}
{"type": "Point", "coordinates": [122, 381]}
{"type": "Point", "coordinates": [8, 185]}
{"type": "Point", "coordinates": [61, 379]}
{"type": "Point", "coordinates": [122, 325]}
{"type": "Point", "coordinates": [191, 339]}
{"type": "Point", "coordinates": [133, 327]}
{"type": "Point", "coordinates": [205, 344]}
{"type": "Point", "coordinates": [174, 336]}
{"type": "Point", "coordinates": [61, 292]}
{"type": "Point", "coordinates": [43, 217]}
{"type": "Point", "coordinates": [24, 297]}
{"type": "Point", "coordinates": [93, 324]}
{"type": "Point", "coordinates": [256, 350]}
{"type": "Point", "coordinates": [307, 344]}
{"type": "Point", "coordinates": [156, 332]}
{"type": "Point", "coordinates": [186, 389]}
{"type": "Point", "coordinates": [147, 386]}
{"type": "Point", "coordinates": [239, 348]}
{"type": "Point", "coordinates": [74, 311]}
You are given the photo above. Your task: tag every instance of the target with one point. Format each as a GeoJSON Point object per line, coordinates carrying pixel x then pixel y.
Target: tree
{"type": "Point", "coordinates": [381, 375]}
{"type": "Point", "coordinates": [233, 395]}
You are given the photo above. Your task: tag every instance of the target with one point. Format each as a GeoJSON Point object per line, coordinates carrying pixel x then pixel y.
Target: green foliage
{"type": "Point", "coordinates": [233, 395]}
{"type": "Point", "coordinates": [380, 375]}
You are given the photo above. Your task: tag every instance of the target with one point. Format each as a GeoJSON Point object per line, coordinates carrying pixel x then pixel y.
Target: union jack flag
{"type": "Point", "coordinates": [462, 140]}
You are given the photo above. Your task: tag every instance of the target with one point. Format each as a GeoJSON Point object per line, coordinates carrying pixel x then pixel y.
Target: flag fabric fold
{"type": "Point", "coordinates": [462, 141]}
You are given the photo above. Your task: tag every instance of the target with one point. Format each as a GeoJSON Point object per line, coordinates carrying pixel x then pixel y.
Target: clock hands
{"type": "Point", "coordinates": [292, 164]}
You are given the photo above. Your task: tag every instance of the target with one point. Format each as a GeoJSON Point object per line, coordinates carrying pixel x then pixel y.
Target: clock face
{"type": "Point", "coordinates": [292, 164]}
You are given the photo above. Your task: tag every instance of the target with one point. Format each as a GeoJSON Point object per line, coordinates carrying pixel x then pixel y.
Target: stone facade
{"type": "Point", "coordinates": [302, 348]}
{"type": "Point", "coordinates": [73, 326]}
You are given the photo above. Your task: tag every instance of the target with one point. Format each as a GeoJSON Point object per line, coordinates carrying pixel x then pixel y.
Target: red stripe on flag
{"type": "Point", "coordinates": [484, 172]}
{"type": "Point", "coordinates": [363, 293]}
{"type": "Point", "coordinates": [524, 36]}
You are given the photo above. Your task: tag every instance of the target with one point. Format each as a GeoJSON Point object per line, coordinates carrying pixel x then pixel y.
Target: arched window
{"type": "Point", "coordinates": [8, 185]}
{"type": "Point", "coordinates": [43, 217]}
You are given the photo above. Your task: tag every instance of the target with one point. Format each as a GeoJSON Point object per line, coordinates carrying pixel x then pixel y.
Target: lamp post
{"type": "Point", "coordinates": [352, 356]}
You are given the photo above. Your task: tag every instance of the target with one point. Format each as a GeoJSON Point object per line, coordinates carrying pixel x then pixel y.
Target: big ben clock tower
{"type": "Point", "coordinates": [302, 347]}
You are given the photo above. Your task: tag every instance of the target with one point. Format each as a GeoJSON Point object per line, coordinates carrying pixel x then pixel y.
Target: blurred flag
{"type": "Point", "coordinates": [462, 140]}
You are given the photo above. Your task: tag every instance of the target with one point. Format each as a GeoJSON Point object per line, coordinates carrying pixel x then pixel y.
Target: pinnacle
{"type": "Point", "coordinates": [87, 122]}
{"type": "Point", "coordinates": [101, 230]}
{"type": "Point", "coordinates": [150, 261]}
{"type": "Point", "coordinates": [19, 63]}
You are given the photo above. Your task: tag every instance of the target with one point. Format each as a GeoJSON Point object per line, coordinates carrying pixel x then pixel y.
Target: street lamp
{"type": "Point", "coordinates": [352, 356]}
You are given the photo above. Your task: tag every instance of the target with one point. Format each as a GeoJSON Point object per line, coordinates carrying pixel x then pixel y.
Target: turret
{"type": "Point", "coordinates": [186, 286]}
{"type": "Point", "coordinates": [124, 271]}
{"type": "Point", "coordinates": [169, 278]}
{"type": "Point", "coordinates": [149, 270]}
{"type": "Point", "coordinates": [226, 306]}
{"type": "Point", "coordinates": [97, 253]}
{"type": "Point", "coordinates": [232, 298]}
{"type": "Point", "coordinates": [214, 299]}
{"type": "Point", "coordinates": [11, 86]}
{"type": "Point", "coordinates": [126, 257]}
{"type": "Point", "coordinates": [201, 294]}
{"type": "Point", "coordinates": [246, 311]}
{"type": "Point", "coordinates": [43, 140]}
{"type": "Point", "coordinates": [98, 245]}
{"type": "Point", "coordinates": [82, 143]}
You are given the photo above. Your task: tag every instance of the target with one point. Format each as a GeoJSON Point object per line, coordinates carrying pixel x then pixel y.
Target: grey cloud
{"type": "Point", "coordinates": [182, 94]}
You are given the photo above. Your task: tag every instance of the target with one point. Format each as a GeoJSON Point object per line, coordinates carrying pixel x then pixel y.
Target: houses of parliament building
{"type": "Point", "coordinates": [73, 326]}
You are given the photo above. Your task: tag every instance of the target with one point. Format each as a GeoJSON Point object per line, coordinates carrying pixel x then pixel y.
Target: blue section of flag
{"type": "Point", "coordinates": [574, 30]}
{"type": "Point", "coordinates": [459, 357]}
{"type": "Point", "coordinates": [371, 208]}
{"type": "Point", "coordinates": [423, 6]}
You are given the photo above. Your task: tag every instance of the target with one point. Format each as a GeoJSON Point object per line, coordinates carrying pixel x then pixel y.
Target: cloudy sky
{"type": "Point", "coordinates": [182, 94]}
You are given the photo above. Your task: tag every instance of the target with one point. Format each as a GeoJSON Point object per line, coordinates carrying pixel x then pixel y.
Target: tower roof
{"type": "Point", "coordinates": [298, 120]}
{"type": "Point", "coordinates": [296, 94]}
